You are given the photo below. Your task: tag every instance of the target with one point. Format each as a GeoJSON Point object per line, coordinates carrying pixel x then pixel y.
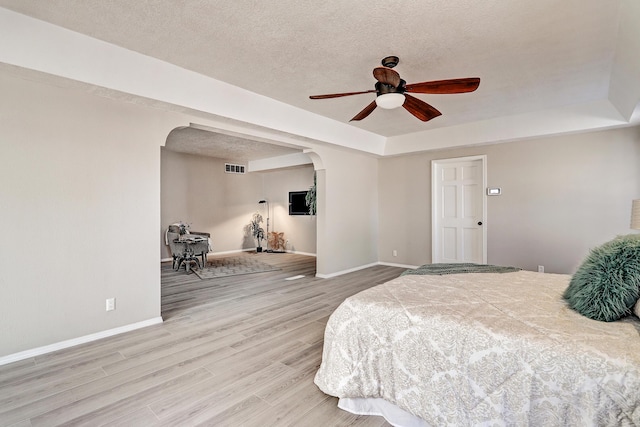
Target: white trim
{"type": "Point", "coordinates": [351, 270]}
{"type": "Point", "coordinates": [390, 264]}
{"type": "Point", "coordinates": [216, 253]}
{"type": "Point", "coordinates": [434, 205]}
{"type": "Point", "coordinates": [244, 250]}
{"type": "Point", "coordinates": [301, 253]}
{"type": "Point", "coordinates": [362, 267]}
{"type": "Point", "coordinates": [237, 251]}
{"type": "Point", "coordinates": [76, 341]}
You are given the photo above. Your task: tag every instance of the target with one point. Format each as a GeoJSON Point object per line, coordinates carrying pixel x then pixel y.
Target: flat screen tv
{"type": "Point", "coordinates": [297, 203]}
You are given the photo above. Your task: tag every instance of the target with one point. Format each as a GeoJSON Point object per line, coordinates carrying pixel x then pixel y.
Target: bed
{"type": "Point", "coordinates": [480, 348]}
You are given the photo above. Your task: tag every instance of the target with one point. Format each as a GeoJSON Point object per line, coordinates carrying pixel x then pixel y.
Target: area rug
{"type": "Point", "coordinates": [232, 266]}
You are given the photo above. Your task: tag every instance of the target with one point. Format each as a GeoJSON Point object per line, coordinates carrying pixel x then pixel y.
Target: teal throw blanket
{"type": "Point", "coordinates": [440, 269]}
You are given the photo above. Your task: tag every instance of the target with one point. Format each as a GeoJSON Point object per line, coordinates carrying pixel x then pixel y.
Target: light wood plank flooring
{"type": "Point", "coordinates": [235, 351]}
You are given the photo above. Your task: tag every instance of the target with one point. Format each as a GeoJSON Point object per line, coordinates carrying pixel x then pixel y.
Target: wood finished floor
{"type": "Point", "coordinates": [235, 351]}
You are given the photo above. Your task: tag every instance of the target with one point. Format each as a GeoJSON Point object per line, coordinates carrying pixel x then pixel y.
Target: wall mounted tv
{"type": "Point", "coordinates": [297, 203]}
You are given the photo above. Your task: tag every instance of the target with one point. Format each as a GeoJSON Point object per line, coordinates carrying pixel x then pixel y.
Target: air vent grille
{"type": "Point", "coordinates": [231, 168]}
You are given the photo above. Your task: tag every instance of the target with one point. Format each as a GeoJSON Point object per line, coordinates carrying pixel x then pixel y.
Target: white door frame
{"type": "Point", "coordinates": [435, 251]}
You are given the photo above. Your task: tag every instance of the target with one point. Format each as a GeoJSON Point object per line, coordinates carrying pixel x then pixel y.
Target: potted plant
{"type": "Point", "coordinates": [256, 231]}
{"type": "Point", "coordinates": [310, 198]}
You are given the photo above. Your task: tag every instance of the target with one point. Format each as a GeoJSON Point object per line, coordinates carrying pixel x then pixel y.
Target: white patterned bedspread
{"type": "Point", "coordinates": [483, 349]}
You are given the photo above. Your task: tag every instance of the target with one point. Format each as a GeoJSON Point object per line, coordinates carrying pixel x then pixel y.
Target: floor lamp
{"type": "Point", "coordinates": [267, 202]}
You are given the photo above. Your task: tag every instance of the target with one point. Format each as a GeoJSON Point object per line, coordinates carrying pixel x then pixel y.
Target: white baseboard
{"type": "Point", "coordinates": [242, 250]}
{"type": "Point", "coordinates": [75, 341]}
{"type": "Point", "coordinates": [340, 273]}
{"type": "Point", "coordinates": [390, 264]}
{"type": "Point", "coordinates": [237, 251]}
{"type": "Point", "coordinates": [301, 253]}
{"type": "Point", "coordinates": [362, 267]}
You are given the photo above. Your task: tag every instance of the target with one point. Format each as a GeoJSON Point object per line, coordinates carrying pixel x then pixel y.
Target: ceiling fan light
{"type": "Point", "coordinates": [390, 100]}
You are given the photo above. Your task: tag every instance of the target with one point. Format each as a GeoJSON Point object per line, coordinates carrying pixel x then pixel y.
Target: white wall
{"type": "Point", "coordinates": [80, 195]}
{"type": "Point", "coordinates": [299, 230]}
{"type": "Point", "coordinates": [80, 191]}
{"type": "Point", "coordinates": [347, 211]}
{"type": "Point", "coordinates": [560, 197]}
{"type": "Point", "coordinates": [196, 190]}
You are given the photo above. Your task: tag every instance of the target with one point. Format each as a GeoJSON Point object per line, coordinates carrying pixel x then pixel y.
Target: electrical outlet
{"type": "Point", "coordinates": [111, 304]}
{"type": "Point", "coordinates": [541, 269]}
{"type": "Point", "coordinates": [395, 252]}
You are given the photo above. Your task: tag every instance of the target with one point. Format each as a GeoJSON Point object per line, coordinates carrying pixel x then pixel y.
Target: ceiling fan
{"type": "Point", "coordinates": [393, 92]}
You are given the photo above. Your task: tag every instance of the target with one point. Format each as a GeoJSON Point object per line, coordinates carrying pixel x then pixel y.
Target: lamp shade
{"type": "Point", "coordinates": [390, 100]}
{"type": "Point", "coordinates": [635, 214]}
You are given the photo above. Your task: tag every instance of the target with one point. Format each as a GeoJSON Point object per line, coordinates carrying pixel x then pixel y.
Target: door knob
{"type": "Point", "coordinates": [479, 222]}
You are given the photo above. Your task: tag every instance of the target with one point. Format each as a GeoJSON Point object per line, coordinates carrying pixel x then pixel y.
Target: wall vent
{"type": "Point", "coordinates": [231, 168]}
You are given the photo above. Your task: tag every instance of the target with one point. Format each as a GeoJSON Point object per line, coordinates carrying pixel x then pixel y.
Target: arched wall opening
{"type": "Point", "coordinates": [196, 189]}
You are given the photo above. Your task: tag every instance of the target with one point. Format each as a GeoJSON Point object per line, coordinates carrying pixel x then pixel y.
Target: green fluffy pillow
{"type": "Point", "coordinates": [607, 284]}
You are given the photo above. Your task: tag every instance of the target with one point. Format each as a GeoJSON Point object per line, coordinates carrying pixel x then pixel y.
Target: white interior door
{"type": "Point", "coordinates": [459, 210]}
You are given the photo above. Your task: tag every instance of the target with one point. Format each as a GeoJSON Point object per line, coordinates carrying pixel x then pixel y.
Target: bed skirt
{"type": "Point", "coordinates": [394, 415]}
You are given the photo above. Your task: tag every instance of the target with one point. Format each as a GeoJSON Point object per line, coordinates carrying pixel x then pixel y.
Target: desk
{"type": "Point", "coordinates": [189, 247]}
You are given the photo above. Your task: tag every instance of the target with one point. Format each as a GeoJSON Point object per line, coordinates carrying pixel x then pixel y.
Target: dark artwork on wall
{"type": "Point", "coordinates": [297, 203]}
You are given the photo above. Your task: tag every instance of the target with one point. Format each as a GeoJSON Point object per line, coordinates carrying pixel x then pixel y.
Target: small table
{"type": "Point", "coordinates": [188, 253]}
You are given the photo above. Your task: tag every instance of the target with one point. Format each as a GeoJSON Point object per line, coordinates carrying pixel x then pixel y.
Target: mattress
{"type": "Point", "coordinates": [483, 348]}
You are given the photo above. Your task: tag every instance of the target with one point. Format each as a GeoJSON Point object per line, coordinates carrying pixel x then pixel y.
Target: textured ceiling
{"type": "Point", "coordinates": [530, 55]}
{"type": "Point", "coordinates": [228, 147]}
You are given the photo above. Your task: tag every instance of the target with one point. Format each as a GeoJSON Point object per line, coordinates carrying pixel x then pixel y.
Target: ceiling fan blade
{"type": "Point", "coordinates": [365, 112]}
{"type": "Point", "coordinates": [387, 76]}
{"type": "Point", "coordinates": [337, 95]}
{"type": "Point", "coordinates": [420, 109]}
{"type": "Point", "coordinates": [446, 86]}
